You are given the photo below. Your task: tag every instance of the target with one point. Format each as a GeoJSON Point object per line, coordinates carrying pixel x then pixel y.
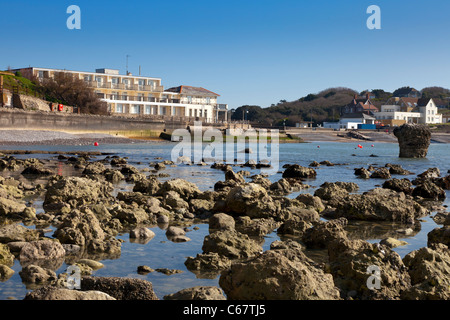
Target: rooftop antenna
{"type": "Point", "coordinates": [127, 62]}
{"type": "Point", "coordinates": [139, 70]}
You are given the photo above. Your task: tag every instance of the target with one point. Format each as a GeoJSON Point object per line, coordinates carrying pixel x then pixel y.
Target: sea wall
{"type": "Point", "coordinates": [68, 122]}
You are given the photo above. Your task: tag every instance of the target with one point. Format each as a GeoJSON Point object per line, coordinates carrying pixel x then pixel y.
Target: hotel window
{"type": "Point", "coordinates": [140, 97]}
{"type": "Point", "coordinates": [119, 108]}
{"type": "Point", "coordinates": [189, 99]}
{"type": "Point", "coordinates": [151, 84]}
{"type": "Point", "coordinates": [136, 109]}
{"type": "Point", "coordinates": [114, 96]}
{"type": "Point", "coordinates": [162, 110]}
{"type": "Point", "coordinates": [148, 109]}
{"type": "Point", "coordinates": [208, 100]}
{"type": "Point", "coordinates": [88, 78]}
{"type": "Point", "coordinates": [125, 96]}
{"type": "Point", "coordinates": [41, 74]}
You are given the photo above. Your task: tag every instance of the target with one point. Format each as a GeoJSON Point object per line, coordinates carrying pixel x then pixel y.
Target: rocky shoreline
{"type": "Point", "coordinates": [87, 213]}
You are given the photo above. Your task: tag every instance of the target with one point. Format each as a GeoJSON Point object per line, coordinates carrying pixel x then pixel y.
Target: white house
{"type": "Point", "coordinates": [398, 110]}
{"type": "Point", "coordinates": [350, 121]}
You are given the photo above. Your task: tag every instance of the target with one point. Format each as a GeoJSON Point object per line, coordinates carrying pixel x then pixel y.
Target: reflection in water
{"type": "Point", "coordinates": [159, 252]}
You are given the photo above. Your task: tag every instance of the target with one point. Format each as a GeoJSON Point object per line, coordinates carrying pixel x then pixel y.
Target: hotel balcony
{"type": "Point", "coordinates": [123, 86]}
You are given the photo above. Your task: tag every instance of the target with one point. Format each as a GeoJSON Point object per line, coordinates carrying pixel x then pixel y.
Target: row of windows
{"type": "Point", "coordinates": [153, 110]}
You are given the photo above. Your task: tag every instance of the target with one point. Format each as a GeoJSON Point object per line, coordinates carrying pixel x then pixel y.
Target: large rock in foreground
{"type": "Point", "coordinates": [53, 293]}
{"type": "Point", "coordinates": [351, 263]}
{"type": "Point", "coordinates": [429, 269]}
{"type": "Point", "coordinates": [413, 140]}
{"type": "Point", "coordinates": [278, 274]}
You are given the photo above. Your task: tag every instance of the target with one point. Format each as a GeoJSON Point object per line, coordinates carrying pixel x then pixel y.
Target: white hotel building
{"type": "Point", "coordinates": [139, 96]}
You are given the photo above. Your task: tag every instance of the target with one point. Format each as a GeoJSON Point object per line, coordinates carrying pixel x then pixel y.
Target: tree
{"type": "Point", "coordinates": [66, 89]}
{"type": "Point", "coordinates": [250, 113]}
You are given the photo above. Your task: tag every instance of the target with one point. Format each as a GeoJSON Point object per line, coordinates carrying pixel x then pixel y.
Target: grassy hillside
{"type": "Point", "coordinates": [24, 85]}
{"type": "Point", "coordinates": [323, 106]}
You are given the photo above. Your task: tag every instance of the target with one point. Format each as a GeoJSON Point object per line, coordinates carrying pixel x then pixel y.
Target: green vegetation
{"type": "Point", "coordinates": [24, 85]}
{"type": "Point", "coordinates": [323, 106]}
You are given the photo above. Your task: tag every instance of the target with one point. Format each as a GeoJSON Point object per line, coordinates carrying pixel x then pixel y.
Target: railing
{"type": "Point", "coordinates": [124, 86]}
{"type": "Point", "coordinates": [136, 98]}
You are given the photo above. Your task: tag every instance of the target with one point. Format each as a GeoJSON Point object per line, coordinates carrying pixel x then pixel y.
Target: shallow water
{"type": "Point", "coordinates": [162, 253]}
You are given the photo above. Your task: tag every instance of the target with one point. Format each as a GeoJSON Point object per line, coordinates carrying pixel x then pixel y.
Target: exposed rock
{"type": "Point", "coordinates": [294, 226]}
{"type": "Point", "coordinates": [36, 274]}
{"type": "Point", "coordinates": [120, 288]}
{"type": "Point", "coordinates": [429, 269]}
{"type": "Point", "coordinates": [221, 221]}
{"type": "Point", "coordinates": [11, 208]}
{"type": "Point", "coordinates": [168, 272]}
{"type": "Point", "coordinates": [442, 218]}
{"type": "Point", "coordinates": [430, 173]}
{"type": "Point", "coordinates": [362, 173]}
{"type": "Point", "coordinates": [17, 232]}
{"type": "Point", "coordinates": [41, 250]}
{"type": "Point", "coordinates": [144, 269]}
{"type": "Point", "coordinates": [379, 204]}
{"type": "Point", "coordinates": [323, 232]}
{"type": "Point", "coordinates": [281, 187]}
{"type": "Point", "coordinates": [439, 235]}
{"type": "Point", "coordinates": [381, 173]}
{"type": "Point", "coordinates": [349, 264]}
{"type": "Point", "coordinates": [6, 257]}
{"type": "Point", "coordinates": [84, 229]}
{"type": "Point", "coordinates": [54, 293]}
{"type": "Point", "coordinates": [173, 199]}
{"type": "Point", "coordinates": [185, 189]}
{"type": "Point", "coordinates": [210, 261]}
{"type": "Point", "coordinates": [278, 274]}
{"type": "Point", "coordinates": [399, 185]}
{"type": "Point", "coordinates": [298, 172]}
{"type": "Point", "coordinates": [149, 186]}
{"type": "Point", "coordinates": [397, 169]}
{"type": "Point", "coordinates": [252, 200]}
{"type": "Point", "coordinates": [175, 231]}
{"type": "Point", "coordinates": [5, 273]}
{"type": "Point", "coordinates": [37, 170]}
{"type": "Point", "coordinates": [197, 293]}
{"type": "Point", "coordinates": [95, 265]}
{"type": "Point", "coordinates": [113, 176]}
{"type": "Point", "coordinates": [333, 192]}
{"type": "Point", "coordinates": [142, 234]}
{"type": "Point", "coordinates": [256, 227]}
{"type": "Point", "coordinates": [413, 140]}
{"type": "Point", "coordinates": [232, 244]}
{"type": "Point", "coordinates": [314, 164]}
{"type": "Point", "coordinates": [76, 191]}
{"type": "Point", "coordinates": [393, 243]}
{"type": "Point", "coordinates": [429, 190]}
{"type": "Point", "coordinates": [94, 168]}
{"type": "Point", "coordinates": [311, 201]}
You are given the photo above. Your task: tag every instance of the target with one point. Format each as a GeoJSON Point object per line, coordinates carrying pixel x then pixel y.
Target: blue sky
{"type": "Point", "coordinates": [249, 51]}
